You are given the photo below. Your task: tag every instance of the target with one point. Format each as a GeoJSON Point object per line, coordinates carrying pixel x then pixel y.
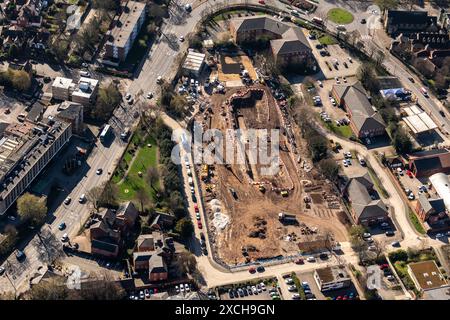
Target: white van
{"type": "Point", "coordinates": [85, 74]}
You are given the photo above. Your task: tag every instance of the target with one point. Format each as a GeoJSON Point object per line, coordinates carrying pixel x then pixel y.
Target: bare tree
{"type": "Point", "coordinates": [94, 196]}
{"type": "Point", "coordinates": [152, 177]}
{"type": "Point", "coordinates": [143, 198]}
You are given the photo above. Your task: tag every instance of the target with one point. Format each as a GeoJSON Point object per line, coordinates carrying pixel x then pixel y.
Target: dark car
{"type": "Point", "coordinates": [441, 112]}
{"type": "Point", "coordinates": [194, 198]}
{"type": "Point", "coordinates": [230, 294]}
{"type": "Point", "coordinates": [245, 292]}
{"type": "Point", "coordinates": [363, 21]}
{"type": "Point", "coordinates": [390, 233]}
{"type": "Point", "coordinates": [319, 46]}
{"type": "Point", "coordinates": [20, 255]}
{"type": "Point", "coordinates": [260, 269]}
{"type": "Point", "coordinates": [411, 79]}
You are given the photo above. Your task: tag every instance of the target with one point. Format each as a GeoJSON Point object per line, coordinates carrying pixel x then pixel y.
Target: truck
{"type": "Point", "coordinates": [287, 218]}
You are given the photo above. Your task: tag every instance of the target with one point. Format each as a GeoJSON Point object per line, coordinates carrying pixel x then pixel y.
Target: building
{"type": "Point", "coordinates": [109, 229]}
{"type": "Point", "coordinates": [366, 206]}
{"type": "Point", "coordinates": [418, 121]}
{"type": "Point", "coordinates": [28, 14]}
{"type": "Point", "coordinates": [441, 183]}
{"type": "Point", "coordinates": [162, 221]}
{"type": "Point", "coordinates": [398, 21]}
{"type": "Point", "coordinates": [25, 150]}
{"type": "Point", "coordinates": [124, 32]}
{"type": "Point", "coordinates": [441, 293]}
{"type": "Point", "coordinates": [288, 43]}
{"type": "Point", "coordinates": [332, 278]}
{"type": "Point", "coordinates": [152, 254]}
{"type": "Point", "coordinates": [426, 163]}
{"type": "Point", "coordinates": [364, 118]}
{"type": "Point", "coordinates": [428, 207]}
{"type": "Point", "coordinates": [83, 92]}
{"type": "Point", "coordinates": [426, 275]}
{"type": "Point", "coordinates": [193, 63]}
{"type": "Point", "coordinates": [73, 113]}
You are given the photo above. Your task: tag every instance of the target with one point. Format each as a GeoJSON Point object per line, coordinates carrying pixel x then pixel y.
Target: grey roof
{"type": "Point", "coordinates": [428, 204]}
{"type": "Point", "coordinates": [292, 39]}
{"type": "Point", "coordinates": [71, 110]}
{"type": "Point", "coordinates": [442, 293]}
{"type": "Point", "coordinates": [103, 245]}
{"type": "Point", "coordinates": [402, 17]}
{"type": "Point", "coordinates": [362, 203]}
{"type": "Point", "coordinates": [156, 264]}
{"type": "Point", "coordinates": [363, 114]}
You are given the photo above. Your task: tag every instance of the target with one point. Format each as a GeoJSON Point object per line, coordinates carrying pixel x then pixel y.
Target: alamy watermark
{"type": "Point", "coordinates": [237, 146]}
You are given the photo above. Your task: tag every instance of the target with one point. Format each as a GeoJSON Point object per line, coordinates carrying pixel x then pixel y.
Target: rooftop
{"type": "Point", "coordinates": [427, 274]}
{"type": "Point", "coordinates": [332, 274]}
{"type": "Point", "coordinates": [126, 22]}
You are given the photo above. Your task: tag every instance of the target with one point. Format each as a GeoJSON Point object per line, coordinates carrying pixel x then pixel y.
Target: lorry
{"type": "Point", "coordinates": [287, 218]}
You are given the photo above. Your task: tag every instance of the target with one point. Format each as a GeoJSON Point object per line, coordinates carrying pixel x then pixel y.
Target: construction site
{"type": "Point", "coordinates": [255, 214]}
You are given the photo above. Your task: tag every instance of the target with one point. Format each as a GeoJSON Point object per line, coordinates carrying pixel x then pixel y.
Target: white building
{"type": "Point", "coordinates": [332, 278]}
{"type": "Point", "coordinates": [83, 92]}
{"type": "Point", "coordinates": [441, 183]}
{"type": "Point", "coordinates": [194, 62]}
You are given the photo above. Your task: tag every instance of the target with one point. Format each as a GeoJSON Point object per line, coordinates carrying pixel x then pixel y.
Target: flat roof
{"type": "Point", "coordinates": [412, 110]}
{"type": "Point", "coordinates": [194, 61]}
{"type": "Point", "coordinates": [126, 22]}
{"type": "Point", "coordinates": [427, 274]}
{"type": "Point", "coordinates": [420, 122]}
{"type": "Point", "coordinates": [332, 274]}
{"type": "Point", "coordinates": [61, 82]}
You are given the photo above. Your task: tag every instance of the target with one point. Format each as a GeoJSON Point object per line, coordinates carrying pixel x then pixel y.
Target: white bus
{"type": "Point", "coordinates": [317, 20]}
{"type": "Point", "coordinates": [104, 133]}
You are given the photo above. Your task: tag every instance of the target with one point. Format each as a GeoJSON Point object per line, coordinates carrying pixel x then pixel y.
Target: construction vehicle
{"type": "Point", "coordinates": [284, 193]}
{"type": "Point", "coordinates": [262, 188]}
{"type": "Point", "coordinates": [286, 218]}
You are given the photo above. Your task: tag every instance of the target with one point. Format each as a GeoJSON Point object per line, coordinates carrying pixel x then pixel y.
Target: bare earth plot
{"type": "Point", "coordinates": [254, 230]}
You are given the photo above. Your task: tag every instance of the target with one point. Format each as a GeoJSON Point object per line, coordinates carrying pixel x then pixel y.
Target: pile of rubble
{"type": "Point", "coordinates": [259, 228]}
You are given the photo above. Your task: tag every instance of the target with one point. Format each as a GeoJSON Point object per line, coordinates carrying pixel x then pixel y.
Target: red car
{"type": "Point", "coordinates": [299, 261]}
{"type": "Point", "coordinates": [384, 266]}
{"type": "Point", "coordinates": [261, 2]}
{"type": "Point", "coordinates": [196, 207]}
{"type": "Point", "coordinates": [252, 270]}
{"type": "Point", "coordinates": [199, 224]}
{"type": "Point", "coordinates": [409, 174]}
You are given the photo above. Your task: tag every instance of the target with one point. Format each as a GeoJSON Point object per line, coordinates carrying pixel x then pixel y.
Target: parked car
{"type": "Point", "coordinates": [67, 200]}
{"type": "Point", "coordinates": [62, 226]}
{"type": "Point", "coordinates": [252, 269]}
{"type": "Point", "coordinates": [2, 271]}
{"type": "Point", "coordinates": [20, 255]}
{"type": "Point", "coordinates": [292, 288]}
{"type": "Point", "coordinates": [389, 233]}
{"type": "Point", "coordinates": [395, 244]}
{"type": "Point", "coordinates": [260, 269]}
{"type": "Point", "coordinates": [311, 259]}
{"type": "Point", "coordinates": [289, 281]}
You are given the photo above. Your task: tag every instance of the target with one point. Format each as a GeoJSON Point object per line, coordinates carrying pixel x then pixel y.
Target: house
{"type": "Point", "coordinates": [288, 43]}
{"type": "Point", "coordinates": [365, 121]}
{"type": "Point", "coordinates": [398, 21]}
{"type": "Point", "coordinates": [427, 163]}
{"type": "Point", "coordinates": [162, 221]}
{"type": "Point", "coordinates": [430, 208]}
{"type": "Point", "coordinates": [366, 207]}
{"type": "Point", "coordinates": [152, 254]}
{"type": "Point", "coordinates": [332, 278]}
{"type": "Point", "coordinates": [426, 275]}
{"type": "Point", "coordinates": [108, 232]}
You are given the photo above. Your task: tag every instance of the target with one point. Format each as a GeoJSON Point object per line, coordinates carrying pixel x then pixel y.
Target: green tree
{"type": "Point", "coordinates": [184, 227]}
{"type": "Point", "coordinates": [108, 99]}
{"type": "Point", "coordinates": [186, 262]}
{"type": "Point", "coordinates": [31, 208]}
{"type": "Point", "coordinates": [60, 49]}
{"type": "Point", "coordinates": [401, 141]}
{"type": "Point", "coordinates": [387, 4]}
{"type": "Point", "coordinates": [329, 168]}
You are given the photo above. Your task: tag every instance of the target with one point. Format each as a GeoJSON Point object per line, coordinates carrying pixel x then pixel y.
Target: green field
{"type": "Point", "coordinates": [327, 40]}
{"type": "Point", "coordinates": [340, 16]}
{"type": "Point", "coordinates": [146, 157]}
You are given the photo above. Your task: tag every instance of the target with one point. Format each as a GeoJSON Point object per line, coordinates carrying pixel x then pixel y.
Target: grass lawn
{"type": "Point", "coordinates": [327, 40]}
{"type": "Point", "coordinates": [343, 131]}
{"type": "Point", "coordinates": [377, 182]}
{"type": "Point", "coordinates": [340, 16]}
{"type": "Point", "coordinates": [146, 157]}
{"type": "Point", "coordinates": [416, 223]}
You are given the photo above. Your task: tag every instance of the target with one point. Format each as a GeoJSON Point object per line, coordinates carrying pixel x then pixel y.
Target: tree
{"type": "Point", "coordinates": [184, 227]}
{"type": "Point", "coordinates": [143, 198]}
{"type": "Point", "coordinates": [329, 168]}
{"type": "Point", "coordinates": [152, 177]}
{"type": "Point", "coordinates": [108, 99]}
{"type": "Point", "coordinates": [94, 196]}
{"type": "Point", "coordinates": [108, 5]}
{"type": "Point", "coordinates": [13, 51]}
{"type": "Point", "coordinates": [186, 262]}
{"type": "Point", "coordinates": [9, 241]}
{"type": "Point", "coordinates": [104, 289]}
{"type": "Point", "coordinates": [31, 208]}
{"type": "Point", "coordinates": [60, 49]}
{"type": "Point", "coordinates": [109, 195]}
{"type": "Point", "coordinates": [175, 200]}
{"type": "Point", "coordinates": [51, 289]}
{"type": "Point", "coordinates": [387, 4]}
{"type": "Point", "coordinates": [401, 141]}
